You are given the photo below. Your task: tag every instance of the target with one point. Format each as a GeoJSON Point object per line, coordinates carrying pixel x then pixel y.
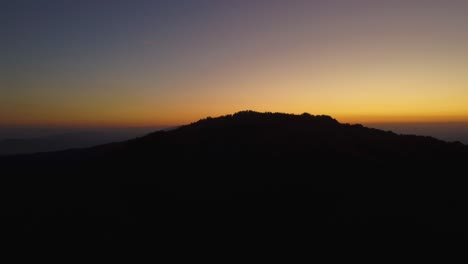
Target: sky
{"type": "Point", "coordinates": [164, 63]}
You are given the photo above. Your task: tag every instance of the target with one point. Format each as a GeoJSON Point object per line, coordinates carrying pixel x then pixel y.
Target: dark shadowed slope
{"type": "Point", "coordinates": [296, 174]}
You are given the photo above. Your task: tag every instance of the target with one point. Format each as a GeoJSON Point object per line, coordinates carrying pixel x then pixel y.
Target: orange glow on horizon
{"type": "Point", "coordinates": [184, 119]}
{"type": "Point", "coordinates": [388, 65]}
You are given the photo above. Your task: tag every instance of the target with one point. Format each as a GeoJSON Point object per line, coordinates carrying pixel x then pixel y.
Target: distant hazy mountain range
{"type": "Point", "coordinates": [260, 178]}
{"type": "Point", "coordinates": [69, 140]}
{"type": "Point", "coordinates": [448, 131]}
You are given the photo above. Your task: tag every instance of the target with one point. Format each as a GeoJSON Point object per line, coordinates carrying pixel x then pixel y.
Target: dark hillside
{"type": "Point", "coordinates": [275, 175]}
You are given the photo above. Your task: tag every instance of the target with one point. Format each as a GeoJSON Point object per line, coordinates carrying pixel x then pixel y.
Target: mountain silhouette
{"type": "Point", "coordinates": [274, 176]}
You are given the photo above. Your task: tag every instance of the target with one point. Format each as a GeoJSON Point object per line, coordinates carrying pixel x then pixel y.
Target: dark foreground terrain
{"type": "Point", "coordinates": [260, 178]}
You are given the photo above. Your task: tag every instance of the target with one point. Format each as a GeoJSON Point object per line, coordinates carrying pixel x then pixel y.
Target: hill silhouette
{"type": "Point", "coordinates": [272, 175]}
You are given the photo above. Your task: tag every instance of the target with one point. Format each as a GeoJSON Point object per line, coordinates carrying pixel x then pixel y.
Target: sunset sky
{"type": "Point", "coordinates": [163, 63]}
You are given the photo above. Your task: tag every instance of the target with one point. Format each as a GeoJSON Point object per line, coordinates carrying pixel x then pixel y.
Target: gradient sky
{"type": "Point", "coordinates": [163, 63]}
